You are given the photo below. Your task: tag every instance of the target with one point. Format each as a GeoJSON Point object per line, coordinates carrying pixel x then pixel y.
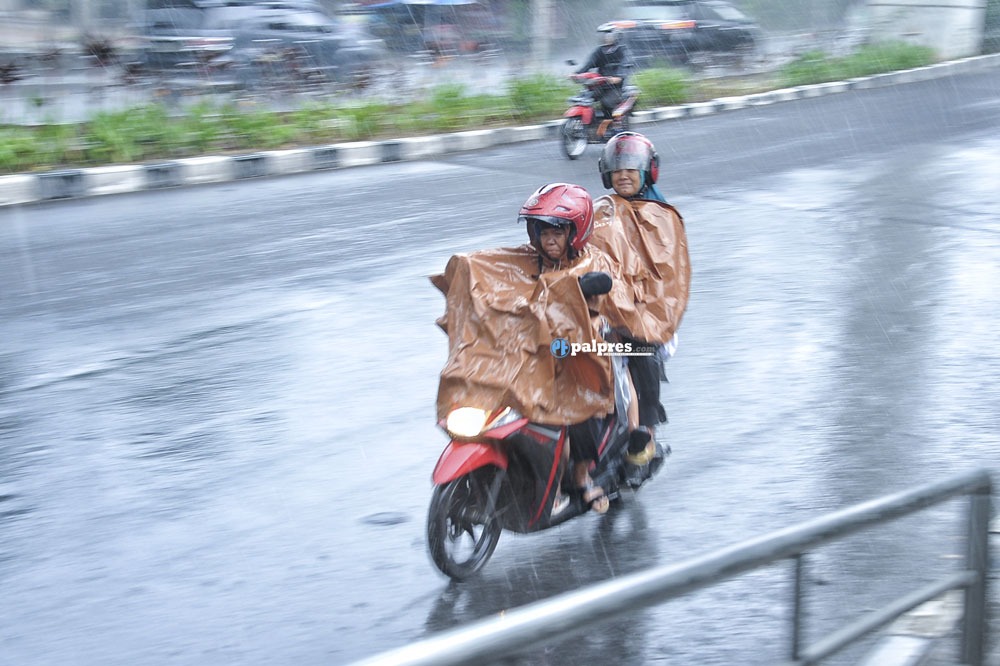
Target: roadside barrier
{"type": "Point", "coordinates": [544, 621]}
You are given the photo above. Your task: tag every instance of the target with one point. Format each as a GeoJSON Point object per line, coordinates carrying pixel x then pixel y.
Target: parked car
{"type": "Point", "coordinates": [679, 30]}
{"type": "Point", "coordinates": [248, 36]}
{"type": "Point", "coordinates": [444, 28]}
{"type": "Point", "coordinates": [309, 42]}
{"type": "Point", "coordinates": [173, 34]}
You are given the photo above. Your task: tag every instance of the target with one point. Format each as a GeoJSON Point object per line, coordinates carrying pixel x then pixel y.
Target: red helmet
{"type": "Point", "coordinates": [629, 150]}
{"type": "Point", "coordinates": [560, 204]}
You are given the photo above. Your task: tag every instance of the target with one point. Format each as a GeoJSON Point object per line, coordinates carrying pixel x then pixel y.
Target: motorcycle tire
{"type": "Point", "coordinates": [461, 532]}
{"type": "Point", "coordinates": [573, 137]}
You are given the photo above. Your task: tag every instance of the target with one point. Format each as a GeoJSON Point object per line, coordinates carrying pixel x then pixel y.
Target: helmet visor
{"type": "Point", "coordinates": [543, 221]}
{"type": "Point", "coordinates": [629, 154]}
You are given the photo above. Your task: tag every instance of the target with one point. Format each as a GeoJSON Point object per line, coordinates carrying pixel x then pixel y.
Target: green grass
{"type": "Point", "coordinates": [818, 67]}
{"type": "Point", "coordinates": [663, 87]}
{"type": "Point", "coordinates": [150, 132]}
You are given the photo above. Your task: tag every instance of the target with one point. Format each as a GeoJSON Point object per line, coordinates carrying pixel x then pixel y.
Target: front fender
{"type": "Point", "coordinates": [585, 113]}
{"type": "Point", "coordinates": [460, 458]}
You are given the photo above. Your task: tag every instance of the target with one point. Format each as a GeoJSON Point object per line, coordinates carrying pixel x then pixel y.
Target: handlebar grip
{"type": "Point", "coordinates": [595, 283]}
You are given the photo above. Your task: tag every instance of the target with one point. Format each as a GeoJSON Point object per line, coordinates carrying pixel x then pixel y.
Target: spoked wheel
{"type": "Point", "coordinates": [573, 137]}
{"type": "Point", "coordinates": [462, 528]}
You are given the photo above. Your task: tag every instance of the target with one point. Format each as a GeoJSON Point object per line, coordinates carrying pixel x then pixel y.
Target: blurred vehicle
{"type": "Point", "coordinates": [586, 122]}
{"type": "Point", "coordinates": [249, 36]}
{"type": "Point", "coordinates": [678, 31]}
{"type": "Point", "coordinates": [442, 27]}
{"type": "Point", "coordinates": [174, 34]}
{"type": "Point", "coordinates": [311, 42]}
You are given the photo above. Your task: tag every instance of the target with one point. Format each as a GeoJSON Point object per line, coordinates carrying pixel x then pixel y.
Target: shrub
{"type": "Point", "coordinates": [818, 67]}
{"type": "Point", "coordinates": [663, 86]}
{"type": "Point", "coordinates": [886, 57]}
{"type": "Point", "coordinates": [17, 149]}
{"type": "Point", "coordinates": [538, 95]}
{"type": "Point", "coordinates": [810, 67]}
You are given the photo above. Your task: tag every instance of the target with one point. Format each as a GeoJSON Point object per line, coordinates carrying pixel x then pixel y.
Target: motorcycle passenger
{"type": "Point", "coordinates": [559, 220]}
{"type": "Point", "coordinates": [629, 165]}
{"type": "Point", "coordinates": [610, 59]}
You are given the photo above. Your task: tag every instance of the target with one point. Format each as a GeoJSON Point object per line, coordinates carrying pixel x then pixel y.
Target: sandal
{"type": "Point", "coordinates": [596, 498]}
{"type": "Point", "coordinates": [559, 504]}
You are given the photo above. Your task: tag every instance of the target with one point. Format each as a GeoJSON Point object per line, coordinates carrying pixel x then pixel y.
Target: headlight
{"type": "Point", "coordinates": [466, 421]}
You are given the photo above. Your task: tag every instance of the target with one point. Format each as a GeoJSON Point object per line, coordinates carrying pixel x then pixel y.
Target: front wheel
{"type": "Point", "coordinates": [462, 527]}
{"type": "Point", "coordinates": [625, 122]}
{"type": "Point", "coordinates": [573, 138]}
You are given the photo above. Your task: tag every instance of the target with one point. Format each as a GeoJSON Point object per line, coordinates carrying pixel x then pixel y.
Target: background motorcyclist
{"type": "Point", "coordinates": [610, 59]}
{"type": "Point", "coordinates": [629, 164]}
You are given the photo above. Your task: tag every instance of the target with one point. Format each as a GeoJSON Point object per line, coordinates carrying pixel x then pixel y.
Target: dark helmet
{"type": "Point", "coordinates": [629, 150]}
{"type": "Point", "coordinates": [559, 205]}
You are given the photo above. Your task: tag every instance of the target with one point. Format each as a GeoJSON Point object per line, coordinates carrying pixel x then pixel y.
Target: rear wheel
{"type": "Point", "coordinates": [462, 528]}
{"type": "Point", "coordinates": [573, 137]}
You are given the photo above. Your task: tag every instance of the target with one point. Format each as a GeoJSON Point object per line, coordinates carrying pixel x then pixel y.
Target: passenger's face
{"type": "Point", "coordinates": [626, 182]}
{"type": "Point", "coordinates": [554, 242]}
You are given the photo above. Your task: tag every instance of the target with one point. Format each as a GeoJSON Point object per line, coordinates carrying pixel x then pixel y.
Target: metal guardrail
{"type": "Point", "coordinates": [543, 621]}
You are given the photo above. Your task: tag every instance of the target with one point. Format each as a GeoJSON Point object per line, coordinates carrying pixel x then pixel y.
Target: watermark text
{"type": "Point", "coordinates": [561, 348]}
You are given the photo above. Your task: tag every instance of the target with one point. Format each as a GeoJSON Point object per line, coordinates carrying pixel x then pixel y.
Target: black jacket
{"type": "Point", "coordinates": [609, 61]}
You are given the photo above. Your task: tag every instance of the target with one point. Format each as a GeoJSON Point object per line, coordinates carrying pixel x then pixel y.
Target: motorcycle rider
{"type": "Point", "coordinates": [629, 165]}
{"type": "Point", "coordinates": [559, 221]}
{"type": "Point", "coordinates": [505, 306]}
{"type": "Point", "coordinates": [610, 59]}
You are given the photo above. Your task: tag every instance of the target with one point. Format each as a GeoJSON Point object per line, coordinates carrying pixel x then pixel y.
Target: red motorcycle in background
{"type": "Point", "coordinates": [585, 119]}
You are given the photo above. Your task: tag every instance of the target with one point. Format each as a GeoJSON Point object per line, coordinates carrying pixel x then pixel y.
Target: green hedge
{"type": "Point", "coordinates": [152, 132]}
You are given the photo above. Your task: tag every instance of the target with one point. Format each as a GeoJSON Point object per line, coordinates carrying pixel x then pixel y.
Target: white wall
{"type": "Point", "coordinates": [953, 28]}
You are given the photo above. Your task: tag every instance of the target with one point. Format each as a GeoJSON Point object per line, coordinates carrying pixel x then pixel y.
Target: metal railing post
{"type": "Point", "coordinates": [977, 560]}
{"type": "Point", "coordinates": [797, 606]}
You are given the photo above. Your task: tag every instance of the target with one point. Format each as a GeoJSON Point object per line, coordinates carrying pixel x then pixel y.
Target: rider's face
{"type": "Point", "coordinates": [626, 182]}
{"type": "Point", "coordinates": [554, 242]}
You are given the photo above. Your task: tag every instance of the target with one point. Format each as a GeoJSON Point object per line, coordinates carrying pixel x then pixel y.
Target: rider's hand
{"type": "Point", "coordinates": [615, 79]}
{"type": "Point", "coordinates": [595, 283]}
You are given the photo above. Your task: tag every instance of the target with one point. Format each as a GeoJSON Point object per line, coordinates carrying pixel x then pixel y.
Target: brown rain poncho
{"type": "Point", "coordinates": [501, 317]}
{"type": "Point", "coordinates": [647, 241]}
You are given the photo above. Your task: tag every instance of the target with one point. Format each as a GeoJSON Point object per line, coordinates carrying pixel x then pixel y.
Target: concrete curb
{"type": "Point", "coordinates": [77, 183]}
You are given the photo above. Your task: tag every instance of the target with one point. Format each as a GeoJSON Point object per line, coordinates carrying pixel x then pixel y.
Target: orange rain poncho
{"type": "Point", "coordinates": [501, 316]}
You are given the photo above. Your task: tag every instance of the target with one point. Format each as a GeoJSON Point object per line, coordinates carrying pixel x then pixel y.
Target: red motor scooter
{"type": "Point", "coordinates": [502, 472]}
{"type": "Point", "coordinates": [585, 119]}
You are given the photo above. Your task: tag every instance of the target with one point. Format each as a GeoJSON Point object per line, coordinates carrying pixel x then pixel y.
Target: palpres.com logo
{"type": "Point", "coordinates": [561, 348]}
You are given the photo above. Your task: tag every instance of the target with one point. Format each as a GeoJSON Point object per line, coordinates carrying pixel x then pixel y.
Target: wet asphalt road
{"type": "Point", "coordinates": [216, 404]}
